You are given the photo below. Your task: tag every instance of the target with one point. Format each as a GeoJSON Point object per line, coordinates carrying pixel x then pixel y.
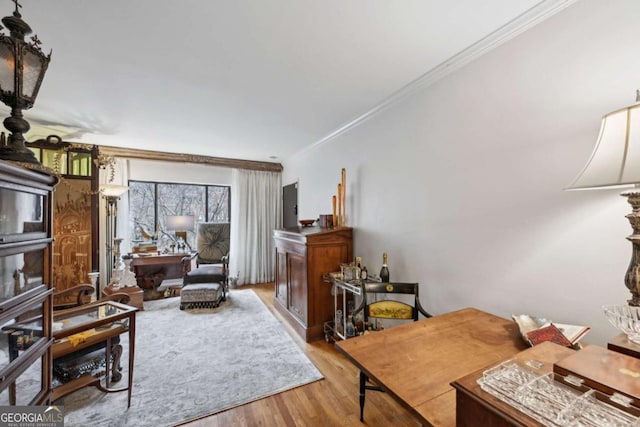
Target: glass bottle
{"type": "Point", "coordinates": [384, 271]}
{"type": "Point", "coordinates": [350, 329]}
{"type": "Point", "coordinates": [358, 267]}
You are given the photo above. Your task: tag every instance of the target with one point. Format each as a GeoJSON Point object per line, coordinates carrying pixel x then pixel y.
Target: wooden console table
{"type": "Point", "coordinates": [416, 362]}
{"type": "Point", "coordinates": [151, 270]}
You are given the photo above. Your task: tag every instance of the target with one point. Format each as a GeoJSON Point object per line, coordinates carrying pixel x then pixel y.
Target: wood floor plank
{"type": "Point", "coordinates": [332, 401]}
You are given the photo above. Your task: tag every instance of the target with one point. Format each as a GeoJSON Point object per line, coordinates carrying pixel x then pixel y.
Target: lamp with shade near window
{"type": "Point", "coordinates": [180, 224]}
{"type": "Point", "coordinates": [22, 68]}
{"type": "Point", "coordinates": [615, 163]}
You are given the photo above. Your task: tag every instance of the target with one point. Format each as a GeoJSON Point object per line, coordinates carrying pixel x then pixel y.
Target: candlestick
{"type": "Point", "coordinates": [334, 211]}
{"type": "Point", "coordinates": [339, 205]}
{"type": "Point", "coordinates": [344, 197]}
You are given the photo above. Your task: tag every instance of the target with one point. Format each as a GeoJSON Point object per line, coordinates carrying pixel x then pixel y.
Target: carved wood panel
{"type": "Point", "coordinates": [72, 248]}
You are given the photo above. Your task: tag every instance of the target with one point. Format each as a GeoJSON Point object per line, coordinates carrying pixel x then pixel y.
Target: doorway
{"type": "Point", "coordinates": [290, 205]}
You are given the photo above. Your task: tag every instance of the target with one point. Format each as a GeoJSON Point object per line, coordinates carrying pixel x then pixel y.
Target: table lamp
{"type": "Point", "coordinates": [180, 224]}
{"type": "Point", "coordinates": [615, 163]}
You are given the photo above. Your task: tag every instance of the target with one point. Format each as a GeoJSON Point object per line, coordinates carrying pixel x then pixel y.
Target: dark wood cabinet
{"type": "Point", "coordinates": [303, 256]}
{"type": "Point", "coordinates": [26, 260]}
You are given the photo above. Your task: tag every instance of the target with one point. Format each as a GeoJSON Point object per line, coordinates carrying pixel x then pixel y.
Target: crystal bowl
{"type": "Point", "coordinates": [626, 318]}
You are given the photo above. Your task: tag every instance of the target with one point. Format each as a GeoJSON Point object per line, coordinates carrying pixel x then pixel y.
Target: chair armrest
{"type": "Point", "coordinates": [225, 264]}
{"type": "Point", "coordinates": [186, 260]}
{"type": "Point", "coordinates": [80, 291]}
{"type": "Point", "coordinates": [189, 257]}
{"type": "Point", "coordinates": [120, 297]}
{"type": "Point", "coordinates": [424, 312]}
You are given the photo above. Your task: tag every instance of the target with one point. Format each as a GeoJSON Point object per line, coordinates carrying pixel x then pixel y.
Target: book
{"type": "Point", "coordinates": [527, 324]}
{"type": "Point", "coordinates": [548, 333]}
{"type": "Point", "coordinates": [574, 333]}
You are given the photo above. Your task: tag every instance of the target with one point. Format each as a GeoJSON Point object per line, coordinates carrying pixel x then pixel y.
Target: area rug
{"type": "Point", "coordinates": [194, 363]}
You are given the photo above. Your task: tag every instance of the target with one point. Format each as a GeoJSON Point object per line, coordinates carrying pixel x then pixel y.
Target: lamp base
{"type": "Point", "coordinates": [181, 234]}
{"type": "Point", "coordinates": [632, 277]}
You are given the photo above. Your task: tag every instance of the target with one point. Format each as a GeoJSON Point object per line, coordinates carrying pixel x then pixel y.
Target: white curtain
{"type": "Point", "coordinates": [256, 205]}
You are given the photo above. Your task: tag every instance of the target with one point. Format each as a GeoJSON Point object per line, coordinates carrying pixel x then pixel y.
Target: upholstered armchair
{"type": "Point", "coordinates": [212, 242]}
{"type": "Point", "coordinates": [211, 272]}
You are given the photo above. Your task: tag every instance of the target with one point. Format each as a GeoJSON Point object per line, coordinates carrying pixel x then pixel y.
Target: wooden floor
{"type": "Point", "coordinates": [332, 401]}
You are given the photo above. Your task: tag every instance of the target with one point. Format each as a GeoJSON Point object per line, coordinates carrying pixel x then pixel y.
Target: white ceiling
{"type": "Point", "coordinates": [247, 79]}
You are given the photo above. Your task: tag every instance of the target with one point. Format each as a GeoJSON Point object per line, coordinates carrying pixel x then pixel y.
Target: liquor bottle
{"type": "Point", "coordinates": [363, 273]}
{"type": "Point", "coordinates": [384, 271]}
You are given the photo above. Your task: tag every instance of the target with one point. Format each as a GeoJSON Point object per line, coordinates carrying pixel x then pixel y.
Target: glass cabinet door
{"type": "Point", "coordinates": [20, 273]}
{"type": "Point", "coordinates": [21, 215]}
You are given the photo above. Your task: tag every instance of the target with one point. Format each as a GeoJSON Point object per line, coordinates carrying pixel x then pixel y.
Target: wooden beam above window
{"type": "Point", "coordinates": [133, 153]}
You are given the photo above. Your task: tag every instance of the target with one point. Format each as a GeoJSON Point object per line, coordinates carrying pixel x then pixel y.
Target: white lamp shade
{"type": "Point", "coordinates": [615, 161]}
{"type": "Point", "coordinates": [113, 190]}
{"type": "Point", "coordinates": [180, 222]}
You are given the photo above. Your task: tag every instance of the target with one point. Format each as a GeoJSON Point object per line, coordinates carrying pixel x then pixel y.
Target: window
{"type": "Point", "coordinates": [151, 202]}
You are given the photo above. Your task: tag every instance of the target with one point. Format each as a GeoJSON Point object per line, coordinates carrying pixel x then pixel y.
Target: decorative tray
{"type": "Point", "coordinates": [552, 403]}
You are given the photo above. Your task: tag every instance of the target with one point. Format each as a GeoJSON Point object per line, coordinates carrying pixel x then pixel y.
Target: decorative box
{"type": "Point", "coordinates": [614, 374]}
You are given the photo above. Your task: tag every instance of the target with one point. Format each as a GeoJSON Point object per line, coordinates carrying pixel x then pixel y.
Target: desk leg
{"type": "Point", "coordinates": [132, 347]}
{"type": "Point", "coordinates": [12, 394]}
{"type": "Point", "coordinates": [107, 364]}
{"type": "Point", "coordinates": [13, 355]}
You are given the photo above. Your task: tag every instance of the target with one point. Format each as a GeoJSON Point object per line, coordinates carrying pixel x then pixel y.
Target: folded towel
{"type": "Point", "coordinates": [80, 337]}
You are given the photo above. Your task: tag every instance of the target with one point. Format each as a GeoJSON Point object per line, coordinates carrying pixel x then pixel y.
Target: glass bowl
{"type": "Point", "coordinates": [626, 318]}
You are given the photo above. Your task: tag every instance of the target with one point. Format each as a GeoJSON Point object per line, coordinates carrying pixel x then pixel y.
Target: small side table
{"type": "Point", "coordinates": [105, 321]}
{"type": "Point", "coordinates": [621, 344]}
{"type": "Point", "coordinates": [134, 292]}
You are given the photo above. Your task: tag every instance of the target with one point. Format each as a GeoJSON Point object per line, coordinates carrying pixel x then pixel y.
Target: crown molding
{"type": "Point", "coordinates": [530, 18]}
{"type": "Point", "coordinates": [133, 153]}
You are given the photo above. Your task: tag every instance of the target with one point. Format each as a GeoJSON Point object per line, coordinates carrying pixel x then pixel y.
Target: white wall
{"type": "Point", "coordinates": [462, 182]}
{"type": "Point", "coordinates": [190, 173]}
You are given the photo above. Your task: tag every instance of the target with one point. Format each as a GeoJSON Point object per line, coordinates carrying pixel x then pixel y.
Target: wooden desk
{"type": "Point", "coordinates": [416, 362]}
{"type": "Point", "coordinates": [151, 270]}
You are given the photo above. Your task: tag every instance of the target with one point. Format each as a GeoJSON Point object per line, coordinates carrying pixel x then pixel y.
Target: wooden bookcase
{"type": "Point", "coordinates": [303, 256]}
